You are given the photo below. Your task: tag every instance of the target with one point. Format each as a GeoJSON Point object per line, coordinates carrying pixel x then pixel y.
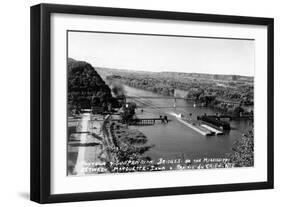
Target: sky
{"type": "Point", "coordinates": [163, 53]}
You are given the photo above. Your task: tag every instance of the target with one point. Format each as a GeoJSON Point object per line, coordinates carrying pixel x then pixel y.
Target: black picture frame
{"type": "Point", "coordinates": [40, 102]}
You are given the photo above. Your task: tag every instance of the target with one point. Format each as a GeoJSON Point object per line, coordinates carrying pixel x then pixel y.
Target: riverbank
{"type": "Point", "coordinates": [131, 146]}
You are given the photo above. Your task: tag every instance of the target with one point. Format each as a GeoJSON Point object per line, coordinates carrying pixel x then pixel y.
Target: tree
{"type": "Point", "coordinates": [128, 111]}
{"type": "Point", "coordinates": [243, 151]}
{"type": "Point", "coordinates": [238, 110]}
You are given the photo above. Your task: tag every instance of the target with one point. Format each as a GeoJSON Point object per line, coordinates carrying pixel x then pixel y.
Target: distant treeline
{"type": "Point", "coordinates": [202, 87]}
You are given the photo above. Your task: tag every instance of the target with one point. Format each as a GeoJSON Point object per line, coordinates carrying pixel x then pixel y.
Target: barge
{"type": "Point", "coordinates": [194, 125]}
{"type": "Point", "coordinates": [216, 131]}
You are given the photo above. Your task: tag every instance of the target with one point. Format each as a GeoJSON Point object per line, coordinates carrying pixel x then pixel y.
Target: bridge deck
{"type": "Point", "coordinates": [172, 97]}
{"type": "Point", "coordinates": [155, 97]}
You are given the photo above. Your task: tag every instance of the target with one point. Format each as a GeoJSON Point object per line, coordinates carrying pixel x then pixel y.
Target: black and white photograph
{"type": "Point", "coordinates": [142, 103]}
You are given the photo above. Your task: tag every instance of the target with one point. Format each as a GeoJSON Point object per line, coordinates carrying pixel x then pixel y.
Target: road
{"type": "Point", "coordinates": [89, 145]}
{"type": "Point", "coordinates": [82, 127]}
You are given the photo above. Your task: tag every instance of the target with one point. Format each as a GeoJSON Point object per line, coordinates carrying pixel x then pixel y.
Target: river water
{"type": "Point", "coordinates": [175, 140]}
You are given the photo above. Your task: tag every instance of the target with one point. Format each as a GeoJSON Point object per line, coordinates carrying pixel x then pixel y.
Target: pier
{"type": "Point", "coordinates": [147, 121]}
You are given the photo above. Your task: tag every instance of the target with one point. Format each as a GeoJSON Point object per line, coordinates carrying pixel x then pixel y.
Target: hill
{"type": "Point", "coordinates": [85, 86]}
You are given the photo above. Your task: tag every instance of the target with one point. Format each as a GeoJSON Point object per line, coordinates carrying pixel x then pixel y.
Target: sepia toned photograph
{"type": "Point", "coordinates": [154, 102]}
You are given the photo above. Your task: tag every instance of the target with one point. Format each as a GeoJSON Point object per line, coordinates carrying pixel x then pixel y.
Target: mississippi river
{"type": "Point", "coordinates": [175, 140]}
